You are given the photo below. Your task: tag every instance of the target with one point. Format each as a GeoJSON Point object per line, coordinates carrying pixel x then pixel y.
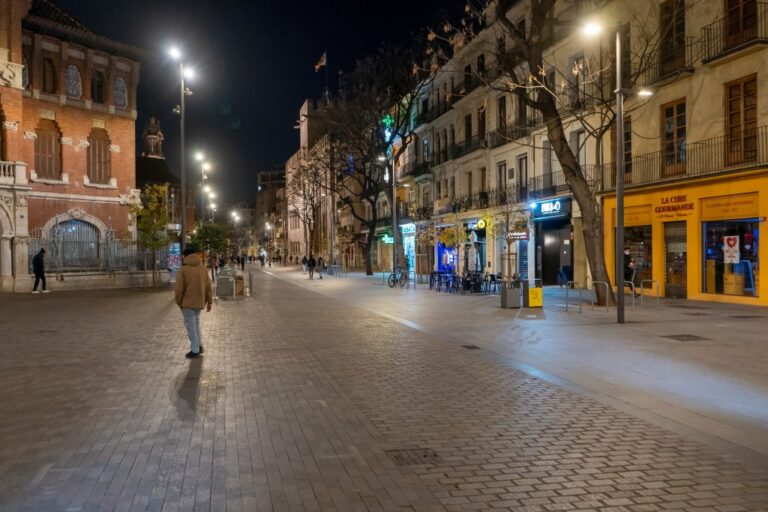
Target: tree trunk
{"type": "Point", "coordinates": [582, 193]}
{"type": "Point", "coordinates": [368, 247]}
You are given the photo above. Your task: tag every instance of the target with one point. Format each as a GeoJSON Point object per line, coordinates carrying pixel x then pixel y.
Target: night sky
{"type": "Point", "coordinates": [255, 65]}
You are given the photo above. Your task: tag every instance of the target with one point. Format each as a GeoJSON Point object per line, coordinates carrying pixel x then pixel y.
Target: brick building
{"type": "Point", "coordinates": [67, 177]}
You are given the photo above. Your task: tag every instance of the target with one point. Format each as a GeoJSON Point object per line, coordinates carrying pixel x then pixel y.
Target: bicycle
{"type": "Point", "coordinates": [397, 277]}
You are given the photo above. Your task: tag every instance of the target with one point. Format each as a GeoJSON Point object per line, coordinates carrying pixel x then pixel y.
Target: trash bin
{"type": "Point", "coordinates": [510, 295]}
{"type": "Point", "coordinates": [225, 283]}
{"type": "Point", "coordinates": [533, 296]}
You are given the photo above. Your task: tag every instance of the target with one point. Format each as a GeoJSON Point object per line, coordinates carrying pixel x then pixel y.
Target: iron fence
{"type": "Point", "coordinates": [737, 30]}
{"type": "Point", "coordinates": [718, 155]}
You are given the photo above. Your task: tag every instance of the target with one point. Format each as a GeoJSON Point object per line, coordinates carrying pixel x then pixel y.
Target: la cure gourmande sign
{"type": "Point", "coordinates": [674, 206]}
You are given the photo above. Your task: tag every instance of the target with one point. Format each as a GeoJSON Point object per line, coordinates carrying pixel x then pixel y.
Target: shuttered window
{"type": "Point", "coordinates": [48, 150]}
{"type": "Point", "coordinates": [99, 170]}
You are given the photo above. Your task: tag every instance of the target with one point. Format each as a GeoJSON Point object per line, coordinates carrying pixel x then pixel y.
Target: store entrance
{"type": "Point", "coordinates": [554, 251]}
{"type": "Point", "coordinates": [675, 260]}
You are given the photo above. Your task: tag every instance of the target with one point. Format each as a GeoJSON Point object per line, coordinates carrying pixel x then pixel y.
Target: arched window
{"type": "Point", "coordinates": [121, 92]}
{"type": "Point", "coordinates": [49, 76]}
{"type": "Point", "coordinates": [25, 73]}
{"type": "Point", "coordinates": [97, 87]}
{"type": "Point", "coordinates": [73, 83]}
{"type": "Point", "coordinates": [98, 156]}
{"type": "Point", "coordinates": [75, 244]}
{"type": "Point", "coordinates": [48, 150]}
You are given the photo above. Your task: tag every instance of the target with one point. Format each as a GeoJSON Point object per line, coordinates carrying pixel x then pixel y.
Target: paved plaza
{"type": "Point", "coordinates": [309, 399]}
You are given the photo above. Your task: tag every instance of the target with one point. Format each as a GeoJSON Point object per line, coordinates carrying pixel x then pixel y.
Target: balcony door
{"type": "Point", "coordinates": [673, 136]}
{"type": "Point", "coordinates": [675, 260]}
{"type": "Point", "coordinates": [672, 26]}
{"type": "Point", "coordinates": [522, 176]}
{"type": "Point", "coordinates": [741, 22]}
{"type": "Point", "coordinates": [741, 121]}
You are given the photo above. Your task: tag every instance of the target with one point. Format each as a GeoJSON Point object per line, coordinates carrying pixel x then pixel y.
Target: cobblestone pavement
{"type": "Point", "coordinates": [302, 402]}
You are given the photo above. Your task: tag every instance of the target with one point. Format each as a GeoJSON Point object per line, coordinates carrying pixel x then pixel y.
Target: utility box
{"type": "Point", "coordinates": [533, 296]}
{"type": "Point", "coordinates": [510, 295]}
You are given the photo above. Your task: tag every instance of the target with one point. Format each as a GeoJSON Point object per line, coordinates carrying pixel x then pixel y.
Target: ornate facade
{"type": "Point", "coordinates": [67, 145]}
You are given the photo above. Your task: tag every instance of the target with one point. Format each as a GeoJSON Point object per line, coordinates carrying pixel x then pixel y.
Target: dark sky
{"type": "Point", "coordinates": [254, 61]}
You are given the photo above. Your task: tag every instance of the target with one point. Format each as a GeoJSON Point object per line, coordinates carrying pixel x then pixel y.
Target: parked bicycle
{"type": "Point", "coordinates": [398, 277]}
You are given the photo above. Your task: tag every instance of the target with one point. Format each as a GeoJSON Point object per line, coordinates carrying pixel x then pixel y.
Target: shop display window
{"type": "Point", "coordinates": [638, 239]}
{"type": "Point", "coordinates": [446, 258]}
{"type": "Point", "coordinates": [731, 257]}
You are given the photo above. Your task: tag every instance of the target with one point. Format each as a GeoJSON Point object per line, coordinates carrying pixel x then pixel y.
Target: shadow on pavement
{"type": "Point", "coordinates": [187, 385]}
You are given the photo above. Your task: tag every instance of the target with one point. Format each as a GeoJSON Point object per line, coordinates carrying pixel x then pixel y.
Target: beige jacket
{"type": "Point", "coordinates": [193, 286]}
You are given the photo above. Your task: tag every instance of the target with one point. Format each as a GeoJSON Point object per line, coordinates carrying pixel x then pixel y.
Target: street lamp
{"type": "Point", "coordinates": [592, 29]}
{"type": "Point", "coordinates": [184, 72]}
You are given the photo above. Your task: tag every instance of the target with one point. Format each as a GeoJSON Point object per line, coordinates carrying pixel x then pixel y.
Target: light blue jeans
{"type": "Point", "coordinates": [192, 323]}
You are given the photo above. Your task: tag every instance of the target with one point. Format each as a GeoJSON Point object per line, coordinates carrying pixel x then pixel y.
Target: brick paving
{"type": "Point", "coordinates": [300, 403]}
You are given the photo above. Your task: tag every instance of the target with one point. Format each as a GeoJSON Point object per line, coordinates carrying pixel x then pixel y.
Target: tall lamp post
{"type": "Point", "coordinates": [593, 29]}
{"type": "Point", "coordinates": [393, 206]}
{"type": "Point", "coordinates": [183, 91]}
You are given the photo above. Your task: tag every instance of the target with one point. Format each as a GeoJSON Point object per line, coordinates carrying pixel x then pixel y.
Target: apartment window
{"type": "Point", "coordinates": [468, 181]}
{"type": "Point", "coordinates": [673, 135]}
{"type": "Point", "coordinates": [467, 128]}
{"type": "Point", "coordinates": [742, 21]}
{"type": "Point", "coordinates": [481, 64]}
{"type": "Point", "coordinates": [73, 83]}
{"type": "Point", "coordinates": [577, 140]}
{"type": "Point", "coordinates": [48, 150]}
{"type": "Point", "coordinates": [522, 173]}
{"type": "Point", "coordinates": [452, 186]}
{"type": "Point", "coordinates": [425, 149]}
{"type": "Point", "coordinates": [467, 77]}
{"type": "Point", "coordinates": [741, 120]}
{"type": "Point", "coordinates": [26, 74]}
{"type": "Point", "coordinates": [483, 179]}
{"type": "Point", "coordinates": [438, 101]}
{"type": "Point", "coordinates": [672, 27]}
{"type": "Point", "coordinates": [522, 110]}
{"type": "Point", "coordinates": [445, 96]}
{"type": "Point", "coordinates": [445, 144]}
{"type": "Point", "coordinates": [501, 174]}
{"type": "Point", "coordinates": [425, 196]}
{"type": "Point", "coordinates": [438, 189]}
{"type": "Point", "coordinates": [98, 156]}
{"type": "Point", "coordinates": [97, 87]}
{"type": "Point", "coordinates": [451, 137]}
{"type": "Point", "coordinates": [49, 76]}
{"type": "Point", "coordinates": [481, 123]}
{"type": "Point", "coordinates": [501, 109]}
{"type": "Point", "coordinates": [578, 69]}
{"type": "Point", "coordinates": [425, 105]}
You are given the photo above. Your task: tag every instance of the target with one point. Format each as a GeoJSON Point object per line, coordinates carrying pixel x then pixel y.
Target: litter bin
{"type": "Point", "coordinates": [510, 295]}
{"type": "Point", "coordinates": [533, 296]}
{"type": "Point", "coordinates": [225, 283]}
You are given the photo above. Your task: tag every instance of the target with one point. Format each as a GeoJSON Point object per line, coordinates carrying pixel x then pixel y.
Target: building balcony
{"type": "Point", "coordinates": [667, 62]}
{"type": "Point", "coordinates": [488, 199]}
{"type": "Point", "coordinates": [507, 134]}
{"type": "Point", "coordinates": [553, 184]}
{"type": "Point", "coordinates": [735, 33]}
{"type": "Point", "coordinates": [708, 157]}
{"type": "Point", "coordinates": [472, 82]}
{"type": "Point", "coordinates": [13, 173]}
{"type": "Point", "coordinates": [417, 169]}
{"type": "Point", "coordinates": [433, 113]}
{"type": "Point", "coordinates": [468, 146]}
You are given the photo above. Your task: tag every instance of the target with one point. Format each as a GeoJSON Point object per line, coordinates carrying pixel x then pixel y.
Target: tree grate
{"type": "Point", "coordinates": [414, 457]}
{"type": "Point", "coordinates": [471, 347]}
{"type": "Point", "coordinates": [685, 337]}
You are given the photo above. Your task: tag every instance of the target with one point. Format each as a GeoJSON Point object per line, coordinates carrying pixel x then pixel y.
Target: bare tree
{"type": "Point", "coordinates": [559, 96]}
{"type": "Point", "coordinates": [304, 193]}
{"type": "Point", "coordinates": [370, 127]}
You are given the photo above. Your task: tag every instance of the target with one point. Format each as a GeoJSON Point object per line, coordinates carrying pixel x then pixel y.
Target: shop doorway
{"type": "Point", "coordinates": [675, 260]}
{"type": "Point", "coordinates": [553, 250]}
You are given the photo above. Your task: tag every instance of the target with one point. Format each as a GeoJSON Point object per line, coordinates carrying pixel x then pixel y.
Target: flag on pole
{"type": "Point", "coordinates": [321, 63]}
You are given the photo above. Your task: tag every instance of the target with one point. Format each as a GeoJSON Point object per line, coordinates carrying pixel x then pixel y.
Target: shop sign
{"type": "Point", "coordinates": [738, 206]}
{"type": "Point", "coordinates": [552, 209]}
{"type": "Point", "coordinates": [474, 225]}
{"type": "Point", "coordinates": [674, 206]}
{"type": "Point", "coordinates": [408, 229]}
{"type": "Point", "coordinates": [521, 234]}
{"type": "Point", "coordinates": [731, 252]}
{"type": "Point", "coordinates": [387, 239]}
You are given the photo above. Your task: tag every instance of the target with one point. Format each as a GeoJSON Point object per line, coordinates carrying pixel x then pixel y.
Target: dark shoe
{"type": "Point", "coordinates": [192, 355]}
{"type": "Point", "coordinates": [201, 348]}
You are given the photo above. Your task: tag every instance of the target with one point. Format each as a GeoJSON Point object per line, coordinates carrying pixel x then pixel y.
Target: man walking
{"type": "Point", "coordinates": [193, 293]}
{"type": "Point", "coordinates": [38, 268]}
{"type": "Point", "coordinates": [311, 263]}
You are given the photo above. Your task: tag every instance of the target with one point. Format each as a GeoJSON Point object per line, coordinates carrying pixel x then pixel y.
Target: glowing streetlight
{"type": "Point", "coordinates": [591, 29]}
{"type": "Point", "coordinates": [206, 166]}
{"type": "Point", "coordinates": [199, 156]}
{"type": "Point", "coordinates": [175, 53]}
{"type": "Point", "coordinates": [206, 189]}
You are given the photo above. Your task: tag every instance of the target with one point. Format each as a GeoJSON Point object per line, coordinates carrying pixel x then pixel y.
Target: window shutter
{"type": "Point", "coordinates": [547, 157]}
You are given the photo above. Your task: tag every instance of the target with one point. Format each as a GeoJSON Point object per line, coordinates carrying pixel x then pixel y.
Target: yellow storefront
{"type": "Point", "coordinates": [697, 240]}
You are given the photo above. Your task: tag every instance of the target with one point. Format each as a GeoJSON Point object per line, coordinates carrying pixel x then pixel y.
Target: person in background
{"type": "Point", "coordinates": [38, 268]}
{"type": "Point", "coordinates": [304, 262]}
{"type": "Point", "coordinates": [320, 266]}
{"type": "Point", "coordinates": [311, 264]}
{"type": "Point", "coordinates": [193, 293]}
{"type": "Point", "coordinates": [629, 268]}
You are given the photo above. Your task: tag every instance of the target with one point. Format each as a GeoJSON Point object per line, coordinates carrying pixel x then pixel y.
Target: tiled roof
{"type": "Point", "coordinates": [47, 10]}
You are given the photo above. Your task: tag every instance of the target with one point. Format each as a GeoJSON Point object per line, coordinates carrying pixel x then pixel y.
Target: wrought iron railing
{"type": "Point", "coordinates": [102, 256]}
{"type": "Point", "coordinates": [507, 134]}
{"type": "Point", "coordinates": [669, 59]}
{"type": "Point", "coordinates": [489, 199]}
{"type": "Point", "coordinates": [416, 169]}
{"type": "Point", "coordinates": [735, 31]}
{"type": "Point", "coordinates": [718, 155]}
{"type": "Point", "coordinates": [554, 183]}
{"type": "Point", "coordinates": [467, 146]}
